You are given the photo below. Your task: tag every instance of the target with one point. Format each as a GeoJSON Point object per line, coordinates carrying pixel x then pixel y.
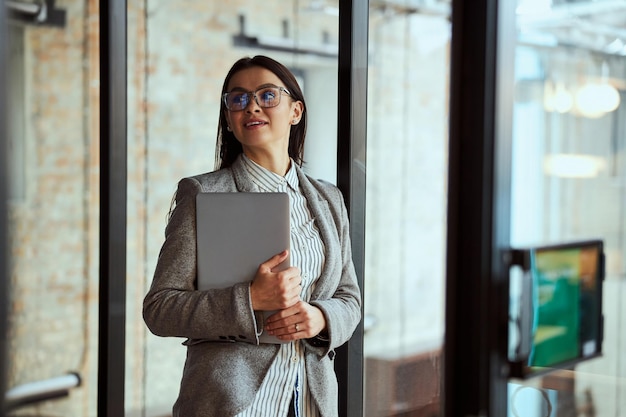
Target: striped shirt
{"type": "Point", "coordinates": [286, 378]}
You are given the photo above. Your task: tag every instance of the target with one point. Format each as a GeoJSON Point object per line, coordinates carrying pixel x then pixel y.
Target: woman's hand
{"type": "Point", "coordinates": [275, 290]}
{"type": "Point", "coordinates": [301, 321]}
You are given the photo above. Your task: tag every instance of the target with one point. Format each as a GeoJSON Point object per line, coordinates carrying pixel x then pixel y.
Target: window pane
{"type": "Point", "coordinates": [568, 177]}
{"type": "Point", "coordinates": [406, 210]}
{"type": "Point", "coordinates": [179, 54]}
{"type": "Point", "coordinates": [54, 207]}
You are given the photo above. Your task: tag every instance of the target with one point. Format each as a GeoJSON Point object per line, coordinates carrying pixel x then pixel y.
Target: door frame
{"type": "Point", "coordinates": [113, 199]}
{"type": "Point", "coordinates": [351, 170]}
{"type": "Point", "coordinates": [352, 75]}
{"type": "Point", "coordinates": [481, 85]}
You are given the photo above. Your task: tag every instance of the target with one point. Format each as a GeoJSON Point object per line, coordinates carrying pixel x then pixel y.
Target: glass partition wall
{"type": "Point", "coordinates": [569, 178]}
{"type": "Point", "coordinates": [53, 207]}
{"type": "Point", "coordinates": [406, 207]}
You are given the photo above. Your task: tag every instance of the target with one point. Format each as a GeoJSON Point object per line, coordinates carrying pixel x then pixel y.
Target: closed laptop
{"type": "Point", "coordinates": [236, 232]}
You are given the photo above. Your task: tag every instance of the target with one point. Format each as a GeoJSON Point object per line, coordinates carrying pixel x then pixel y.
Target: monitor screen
{"type": "Point", "coordinates": [563, 312]}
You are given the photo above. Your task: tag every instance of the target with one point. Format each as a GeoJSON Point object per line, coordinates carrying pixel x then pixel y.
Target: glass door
{"type": "Point", "coordinates": [569, 180]}
{"type": "Point", "coordinates": [536, 159]}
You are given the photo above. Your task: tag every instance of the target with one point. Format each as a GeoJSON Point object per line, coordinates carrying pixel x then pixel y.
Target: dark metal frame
{"type": "Point", "coordinates": [4, 198]}
{"type": "Point", "coordinates": [113, 126]}
{"type": "Point", "coordinates": [475, 362]}
{"type": "Point", "coordinates": [351, 145]}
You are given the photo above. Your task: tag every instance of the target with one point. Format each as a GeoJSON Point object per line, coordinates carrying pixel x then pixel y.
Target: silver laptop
{"type": "Point", "coordinates": [236, 232]}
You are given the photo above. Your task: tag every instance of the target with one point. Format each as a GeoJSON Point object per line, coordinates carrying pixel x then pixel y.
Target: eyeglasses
{"type": "Point", "coordinates": [264, 97]}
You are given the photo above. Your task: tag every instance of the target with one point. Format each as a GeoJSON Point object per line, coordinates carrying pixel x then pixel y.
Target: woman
{"type": "Point", "coordinates": [260, 143]}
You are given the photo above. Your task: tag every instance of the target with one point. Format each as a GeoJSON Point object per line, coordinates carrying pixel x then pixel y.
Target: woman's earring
{"type": "Point", "coordinates": [229, 129]}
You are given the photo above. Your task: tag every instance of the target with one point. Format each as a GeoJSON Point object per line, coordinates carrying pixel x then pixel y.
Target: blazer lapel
{"type": "Point", "coordinates": [243, 181]}
{"type": "Point", "coordinates": [320, 211]}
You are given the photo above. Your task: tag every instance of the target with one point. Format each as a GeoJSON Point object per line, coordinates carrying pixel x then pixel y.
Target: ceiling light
{"type": "Point", "coordinates": [573, 165]}
{"type": "Point", "coordinates": [557, 98]}
{"type": "Point", "coordinates": [595, 99]}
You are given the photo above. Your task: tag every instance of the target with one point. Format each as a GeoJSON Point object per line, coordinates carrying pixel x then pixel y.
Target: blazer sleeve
{"type": "Point", "coordinates": [342, 309]}
{"type": "Point", "coordinates": [173, 306]}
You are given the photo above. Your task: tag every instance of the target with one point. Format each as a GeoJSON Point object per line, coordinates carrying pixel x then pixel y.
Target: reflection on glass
{"type": "Point", "coordinates": [569, 179]}
{"type": "Point", "coordinates": [405, 208]}
{"type": "Point", "coordinates": [53, 208]}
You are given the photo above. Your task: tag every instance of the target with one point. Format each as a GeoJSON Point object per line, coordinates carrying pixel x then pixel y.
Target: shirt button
{"type": "Point", "coordinates": [294, 359]}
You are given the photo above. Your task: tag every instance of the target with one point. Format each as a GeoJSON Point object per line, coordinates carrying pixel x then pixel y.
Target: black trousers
{"type": "Point", "coordinates": [291, 412]}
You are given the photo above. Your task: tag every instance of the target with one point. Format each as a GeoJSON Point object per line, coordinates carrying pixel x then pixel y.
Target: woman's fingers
{"type": "Point", "coordinates": [300, 321]}
{"type": "Point", "coordinates": [275, 290]}
{"type": "Point", "coordinates": [275, 261]}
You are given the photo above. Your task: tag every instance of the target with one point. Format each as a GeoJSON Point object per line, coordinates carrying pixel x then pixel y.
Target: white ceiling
{"type": "Point", "coordinates": [598, 25]}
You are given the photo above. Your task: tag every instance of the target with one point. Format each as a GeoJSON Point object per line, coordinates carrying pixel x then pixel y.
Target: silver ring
{"type": "Point", "coordinates": [297, 330]}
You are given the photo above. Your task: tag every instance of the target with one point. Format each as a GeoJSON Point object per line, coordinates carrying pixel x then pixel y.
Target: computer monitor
{"type": "Point", "coordinates": [559, 320]}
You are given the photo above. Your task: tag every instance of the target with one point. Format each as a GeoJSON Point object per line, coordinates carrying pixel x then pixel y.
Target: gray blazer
{"type": "Point", "coordinates": [221, 378]}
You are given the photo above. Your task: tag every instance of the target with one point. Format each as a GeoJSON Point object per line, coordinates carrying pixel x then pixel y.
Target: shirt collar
{"type": "Point", "coordinates": [270, 181]}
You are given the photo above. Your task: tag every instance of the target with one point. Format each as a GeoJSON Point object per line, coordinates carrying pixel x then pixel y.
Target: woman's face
{"type": "Point", "coordinates": [262, 129]}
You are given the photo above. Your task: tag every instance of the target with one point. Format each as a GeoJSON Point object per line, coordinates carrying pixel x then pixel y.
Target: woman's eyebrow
{"type": "Point", "coordinates": [266, 85]}
{"type": "Point", "coordinates": [237, 88]}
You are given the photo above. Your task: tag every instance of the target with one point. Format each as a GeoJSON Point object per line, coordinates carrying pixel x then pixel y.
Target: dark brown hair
{"type": "Point", "coordinates": [227, 146]}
